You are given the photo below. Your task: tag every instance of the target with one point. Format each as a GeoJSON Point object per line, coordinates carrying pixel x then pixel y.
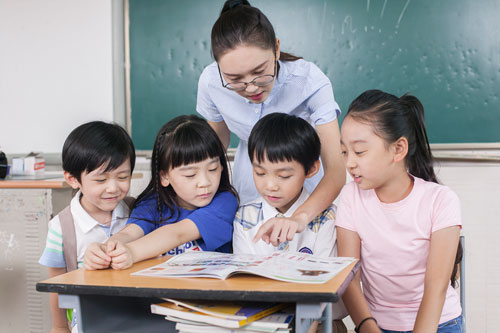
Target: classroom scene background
{"type": "Point", "coordinates": [137, 63]}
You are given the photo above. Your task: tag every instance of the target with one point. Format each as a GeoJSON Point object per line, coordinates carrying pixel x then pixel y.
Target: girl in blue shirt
{"type": "Point", "coordinates": [189, 204]}
{"type": "Point", "coordinates": [251, 78]}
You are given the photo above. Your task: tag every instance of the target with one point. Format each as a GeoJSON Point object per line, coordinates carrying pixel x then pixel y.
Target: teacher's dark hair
{"type": "Point", "coordinates": [392, 118]}
{"type": "Point", "coordinates": [241, 24]}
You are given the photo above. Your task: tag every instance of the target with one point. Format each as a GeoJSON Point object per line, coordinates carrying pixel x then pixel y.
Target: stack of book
{"type": "Point", "coordinates": [220, 317]}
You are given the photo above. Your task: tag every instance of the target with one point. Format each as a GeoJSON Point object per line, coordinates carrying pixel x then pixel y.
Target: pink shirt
{"type": "Point", "coordinates": [395, 243]}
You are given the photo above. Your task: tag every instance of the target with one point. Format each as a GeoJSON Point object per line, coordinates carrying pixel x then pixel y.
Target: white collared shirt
{"type": "Point", "coordinates": [87, 231]}
{"type": "Point", "coordinates": [318, 238]}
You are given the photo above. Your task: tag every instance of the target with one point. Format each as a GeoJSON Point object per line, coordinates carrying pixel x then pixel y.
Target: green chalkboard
{"type": "Point", "coordinates": [447, 53]}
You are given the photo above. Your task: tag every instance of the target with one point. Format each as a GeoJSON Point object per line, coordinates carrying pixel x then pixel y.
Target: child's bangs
{"type": "Point", "coordinates": [192, 147]}
{"type": "Point", "coordinates": [114, 162]}
{"type": "Point", "coordinates": [279, 151]}
{"type": "Point", "coordinates": [111, 157]}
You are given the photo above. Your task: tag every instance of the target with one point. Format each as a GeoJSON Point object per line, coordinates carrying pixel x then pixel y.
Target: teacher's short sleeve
{"type": "Point", "coordinates": [204, 104]}
{"type": "Point", "coordinates": [322, 104]}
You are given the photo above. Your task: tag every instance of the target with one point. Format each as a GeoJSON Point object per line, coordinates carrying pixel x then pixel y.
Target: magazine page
{"type": "Point", "coordinates": [194, 264]}
{"type": "Point", "coordinates": [297, 267]}
{"type": "Point", "coordinates": [283, 266]}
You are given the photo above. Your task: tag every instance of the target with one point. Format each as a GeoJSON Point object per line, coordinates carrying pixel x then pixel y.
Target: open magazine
{"type": "Point", "coordinates": [282, 266]}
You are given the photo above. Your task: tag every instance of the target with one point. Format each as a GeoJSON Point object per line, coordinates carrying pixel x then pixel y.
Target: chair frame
{"type": "Point", "coordinates": [462, 281]}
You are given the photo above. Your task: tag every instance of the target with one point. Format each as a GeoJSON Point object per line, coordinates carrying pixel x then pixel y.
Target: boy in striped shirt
{"type": "Point", "coordinates": [98, 160]}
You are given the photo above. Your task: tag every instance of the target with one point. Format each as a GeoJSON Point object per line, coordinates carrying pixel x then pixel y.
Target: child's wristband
{"type": "Point", "coordinates": [356, 329]}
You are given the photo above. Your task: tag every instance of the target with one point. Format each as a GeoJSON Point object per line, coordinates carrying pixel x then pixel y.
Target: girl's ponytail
{"type": "Point", "coordinates": [458, 259]}
{"type": "Point", "coordinates": [156, 174]}
{"type": "Point", "coordinates": [419, 160]}
{"type": "Point", "coordinates": [284, 56]}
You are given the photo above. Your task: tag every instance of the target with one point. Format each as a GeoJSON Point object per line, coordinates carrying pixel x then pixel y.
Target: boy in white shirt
{"type": "Point", "coordinates": [284, 151]}
{"type": "Point", "coordinates": [98, 160]}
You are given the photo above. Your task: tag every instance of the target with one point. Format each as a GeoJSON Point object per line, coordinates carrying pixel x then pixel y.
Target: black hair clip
{"type": "Point", "coordinates": [236, 3]}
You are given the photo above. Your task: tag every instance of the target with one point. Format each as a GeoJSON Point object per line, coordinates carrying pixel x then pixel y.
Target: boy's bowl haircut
{"type": "Point", "coordinates": [284, 137]}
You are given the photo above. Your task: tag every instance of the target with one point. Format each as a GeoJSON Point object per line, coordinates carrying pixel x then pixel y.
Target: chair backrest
{"type": "Point", "coordinates": [462, 280]}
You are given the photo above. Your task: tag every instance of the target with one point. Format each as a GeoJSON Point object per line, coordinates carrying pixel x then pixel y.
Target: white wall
{"type": "Point", "coordinates": [478, 187]}
{"type": "Point", "coordinates": [55, 70]}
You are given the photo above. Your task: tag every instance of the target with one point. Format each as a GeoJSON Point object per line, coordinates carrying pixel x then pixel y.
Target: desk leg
{"type": "Point", "coordinates": [327, 315]}
{"type": "Point", "coordinates": [71, 302]}
{"type": "Point", "coordinates": [305, 313]}
{"type": "Point", "coordinates": [115, 314]}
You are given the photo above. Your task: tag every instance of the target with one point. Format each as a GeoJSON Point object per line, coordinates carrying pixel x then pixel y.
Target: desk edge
{"type": "Point", "coordinates": [227, 295]}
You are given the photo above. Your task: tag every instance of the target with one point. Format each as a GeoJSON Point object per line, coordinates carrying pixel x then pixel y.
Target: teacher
{"type": "Point", "coordinates": [251, 78]}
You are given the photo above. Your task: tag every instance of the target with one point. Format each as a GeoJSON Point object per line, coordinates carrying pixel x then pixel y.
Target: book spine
{"type": "Point", "coordinates": [262, 314]}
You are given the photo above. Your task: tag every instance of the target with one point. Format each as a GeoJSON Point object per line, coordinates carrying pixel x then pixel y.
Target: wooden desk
{"type": "Point", "coordinates": [46, 183]}
{"type": "Point", "coordinates": [115, 301]}
{"type": "Point", "coordinates": [50, 182]}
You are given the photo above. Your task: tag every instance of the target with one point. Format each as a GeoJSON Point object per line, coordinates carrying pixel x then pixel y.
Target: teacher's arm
{"type": "Point", "coordinates": [333, 179]}
{"type": "Point", "coordinates": [279, 230]}
{"type": "Point", "coordinates": [222, 132]}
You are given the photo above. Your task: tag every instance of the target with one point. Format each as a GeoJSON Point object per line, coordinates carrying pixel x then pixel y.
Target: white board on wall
{"type": "Point", "coordinates": [55, 71]}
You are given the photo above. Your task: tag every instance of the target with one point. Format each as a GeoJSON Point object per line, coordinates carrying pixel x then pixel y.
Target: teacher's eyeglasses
{"type": "Point", "coordinates": [259, 81]}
